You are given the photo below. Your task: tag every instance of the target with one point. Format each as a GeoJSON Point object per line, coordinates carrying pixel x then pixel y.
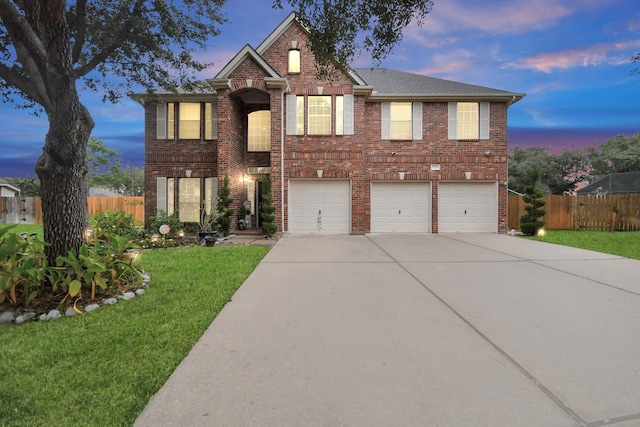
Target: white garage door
{"type": "Point", "coordinates": [401, 207]}
{"type": "Point", "coordinates": [467, 207]}
{"type": "Point", "coordinates": [319, 206]}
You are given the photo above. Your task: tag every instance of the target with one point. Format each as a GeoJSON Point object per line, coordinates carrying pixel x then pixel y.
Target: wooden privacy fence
{"type": "Point", "coordinates": [611, 212]}
{"type": "Point", "coordinates": [28, 210]}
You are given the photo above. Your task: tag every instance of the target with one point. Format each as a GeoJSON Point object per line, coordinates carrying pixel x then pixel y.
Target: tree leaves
{"type": "Point", "coordinates": [341, 30]}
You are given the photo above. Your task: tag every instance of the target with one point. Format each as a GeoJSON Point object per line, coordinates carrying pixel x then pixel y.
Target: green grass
{"type": "Point", "coordinates": [103, 367]}
{"type": "Point", "coordinates": [623, 243]}
{"type": "Point", "coordinates": [25, 228]}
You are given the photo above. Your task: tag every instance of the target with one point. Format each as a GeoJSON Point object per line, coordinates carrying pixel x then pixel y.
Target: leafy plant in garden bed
{"type": "Point", "coordinates": [95, 267]}
{"type": "Point", "coordinates": [28, 281]}
{"type": "Point", "coordinates": [23, 269]}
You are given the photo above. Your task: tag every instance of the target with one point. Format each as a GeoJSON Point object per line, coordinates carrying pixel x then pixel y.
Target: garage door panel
{"type": "Point", "coordinates": [400, 207]}
{"type": "Point", "coordinates": [467, 207]}
{"type": "Point", "coordinates": [319, 206]}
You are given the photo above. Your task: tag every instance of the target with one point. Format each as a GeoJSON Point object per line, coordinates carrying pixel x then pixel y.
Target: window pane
{"type": "Point", "coordinates": [319, 115]}
{"type": "Point", "coordinates": [300, 115]}
{"type": "Point", "coordinates": [189, 199]}
{"type": "Point", "coordinates": [189, 126]}
{"type": "Point", "coordinates": [208, 129]}
{"type": "Point", "coordinates": [171, 120]}
{"type": "Point", "coordinates": [294, 61]}
{"type": "Point", "coordinates": [468, 120]}
{"type": "Point", "coordinates": [259, 132]}
{"type": "Point", "coordinates": [170, 196]}
{"type": "Point", "coordinates": [401, 120]}
{"type": "Point", "coordinates": [339, 115]}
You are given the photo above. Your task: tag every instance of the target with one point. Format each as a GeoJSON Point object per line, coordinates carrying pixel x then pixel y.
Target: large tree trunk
{"type": "Point", "coordinates": [62, 168]}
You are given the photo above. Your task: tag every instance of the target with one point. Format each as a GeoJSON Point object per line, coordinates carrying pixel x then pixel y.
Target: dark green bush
{"type": "Point", "coordinates": [114, 223]}
{"type": "Point", "coordinates": [268, 210]}
{"type": "Point", "coordinates": [224, 203]}
{"type": "Point", "coordinates": [530, 222]}
{"type": "Point", "coordinates": [175, 225]}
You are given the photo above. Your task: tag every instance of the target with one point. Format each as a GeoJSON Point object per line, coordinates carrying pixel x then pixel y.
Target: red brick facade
{"type": "Point", "coordinates": [361, 158]}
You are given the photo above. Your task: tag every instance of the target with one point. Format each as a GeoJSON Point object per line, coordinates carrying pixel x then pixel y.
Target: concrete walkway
{"type": "Point", "coordinates": [417, 330]}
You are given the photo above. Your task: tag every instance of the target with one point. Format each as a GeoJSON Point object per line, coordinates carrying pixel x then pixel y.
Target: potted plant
{"type": "Point", "coordinates": [208, 226]}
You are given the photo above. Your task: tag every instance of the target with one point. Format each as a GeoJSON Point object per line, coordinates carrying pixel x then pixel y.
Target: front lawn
{"type": "Point", "coordinates": [102, 368]}
{"type": "Point", "coordinates": [24, 228]}
{"type": "Point", "coordinates": [623, 243]}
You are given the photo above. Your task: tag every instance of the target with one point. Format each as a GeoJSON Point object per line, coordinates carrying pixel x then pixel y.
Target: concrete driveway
{"type": "Point", "coordinates": [417, 330]}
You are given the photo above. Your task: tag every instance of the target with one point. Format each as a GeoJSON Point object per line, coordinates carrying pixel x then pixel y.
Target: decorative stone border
{"type": "Point", "coordinates": [10, 317]}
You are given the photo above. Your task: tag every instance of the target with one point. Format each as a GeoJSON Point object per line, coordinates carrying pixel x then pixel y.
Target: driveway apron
{"type": "Point", "coordinates": [417, 330]}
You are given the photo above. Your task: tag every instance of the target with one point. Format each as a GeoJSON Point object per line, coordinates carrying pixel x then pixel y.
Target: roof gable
{"type": "Point", "coordinates": [280, 29]}
{"type": "Point", "coordinates": [246, 52]}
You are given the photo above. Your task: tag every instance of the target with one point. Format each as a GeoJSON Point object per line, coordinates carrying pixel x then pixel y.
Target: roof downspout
{"type": "Point", "coordinates": [282, 160]}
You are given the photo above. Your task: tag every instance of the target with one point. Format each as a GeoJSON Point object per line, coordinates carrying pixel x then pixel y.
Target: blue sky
{"type": "Point", "coordinates": [571, 58]}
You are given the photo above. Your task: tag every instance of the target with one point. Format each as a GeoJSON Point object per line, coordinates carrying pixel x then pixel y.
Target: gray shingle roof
{"type": "Point", "coordinates": [391, 82]}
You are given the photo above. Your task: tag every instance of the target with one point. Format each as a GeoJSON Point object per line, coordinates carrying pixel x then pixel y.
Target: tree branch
{"type": "Point", "coordinates": [15, 76]}
{"type": "Point", "coordinates": [105, 53]}
{"type": "Point", "coordinates": [81, 29]}
{"type": "Point", "coordinates": [20, 30]}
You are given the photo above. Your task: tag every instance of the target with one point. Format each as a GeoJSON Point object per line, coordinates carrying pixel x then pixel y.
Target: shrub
{"type": "Point", "coordinates": [175, 225]}
{"type": "Point", "coordinates": [224, 203]}
{"type": "Point", "coordinates": [113, 223]}
{"type": "Point", "coordinates": [530, 222]}
{"type": "Point", "coordinates": [268, 218]}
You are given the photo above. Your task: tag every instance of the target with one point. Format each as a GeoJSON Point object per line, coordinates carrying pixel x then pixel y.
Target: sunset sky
{"type": "Point", "coordinates": [572, 58]}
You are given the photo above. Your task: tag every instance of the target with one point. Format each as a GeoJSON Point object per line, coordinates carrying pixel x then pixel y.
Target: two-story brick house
{"type": "Point", "coordinates": [375, 150]}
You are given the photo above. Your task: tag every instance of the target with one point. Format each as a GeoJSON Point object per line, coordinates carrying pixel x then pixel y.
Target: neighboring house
{"type": "Point", "coordinates": [376, 150]}
{"type": "Point", "coordinates": [615, 183]}
{"type": "Point", "coordinates": [8, 190]}
{"type": "Point", "coordinates": [103, 192]}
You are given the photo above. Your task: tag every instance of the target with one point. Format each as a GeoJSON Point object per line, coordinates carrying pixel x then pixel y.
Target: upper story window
{"type": "Point", "coordinates": [401, 120]}
{"type": "Point", "coordinates": [468, 124]}
{"type": "Point", "coordinates": [294, 61]}
{"type": "Point", "coordinates": [189, 120]}
{"type": "Point", "coordinates": [469, 120]}
{"type": "Point", "coordinates": [189, 123]}
{"type": "Point", "coordinates": [259, 131]}
{"type": "Point", "coordinates": [319, 116]}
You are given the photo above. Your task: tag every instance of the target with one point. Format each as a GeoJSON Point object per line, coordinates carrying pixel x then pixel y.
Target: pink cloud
{"type": "Point", "coordinates": [602, 53]}
{"type": "Point", "coordinates": [448, 64]}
